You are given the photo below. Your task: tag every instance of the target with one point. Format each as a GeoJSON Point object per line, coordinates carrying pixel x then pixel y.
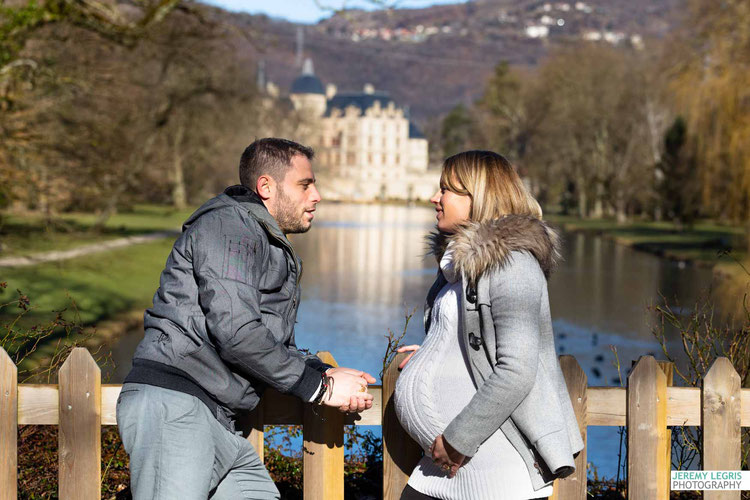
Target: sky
{"type": "Point", "coordinates": [311, 11]}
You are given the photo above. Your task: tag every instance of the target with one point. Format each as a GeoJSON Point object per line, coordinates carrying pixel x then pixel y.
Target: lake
{"type": "Point", "coordinates": [365, 268]}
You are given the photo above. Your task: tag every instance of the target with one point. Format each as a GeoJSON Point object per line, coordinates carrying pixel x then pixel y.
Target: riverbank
{"type": "Point", "coordinates": [716, 246]}
{"type": "Point", "coordinates": [104, 276]}
{"type": "Point", "coordinates": [364, 267]}
{"type": "Point", "coordinates": [112, 288]}
{"type": "Point", "coordinates": [701, 244]}
{"type": "Point", "coordinates": [22, 235]}
{"type": "Point", "coordinates": [104, 289]}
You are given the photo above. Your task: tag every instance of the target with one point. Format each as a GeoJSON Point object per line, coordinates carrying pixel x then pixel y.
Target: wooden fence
{"type": "Point", "coordinates": [79, 404]}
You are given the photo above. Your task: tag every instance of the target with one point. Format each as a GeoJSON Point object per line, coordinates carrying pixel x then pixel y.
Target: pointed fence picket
{"type": "Point", "coordinates": [721, 407]}
{"type": "Point", "coordinates": [79, 404]}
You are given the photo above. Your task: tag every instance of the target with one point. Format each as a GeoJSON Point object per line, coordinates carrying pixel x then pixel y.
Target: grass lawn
{"type": "Point", "coordinates": [23, 235]}
{"type": "Point", "coordinates": [100, 285]}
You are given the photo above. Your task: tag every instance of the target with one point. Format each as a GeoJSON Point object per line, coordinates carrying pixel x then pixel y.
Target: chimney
{"type": "Point", "coordinates": [369, 88]}
{"type": "Point", "coordinates": [330, 91]}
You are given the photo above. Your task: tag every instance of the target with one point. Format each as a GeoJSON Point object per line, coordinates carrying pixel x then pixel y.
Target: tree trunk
{"type": "Point", "coordinates": [110, 208]}
{"type": "Point", "coordinates": [598, 212]}
{"type": "Point", "coordinates": [179, 193]}
{"type": "Point", "coordinates": [43, 200]}
{"type": "Point", "coordinates": [102, 216]}
{"type": "Point", "coordinates": [620, 207]}
{"type": "Point", "coordinates": [582, 200]}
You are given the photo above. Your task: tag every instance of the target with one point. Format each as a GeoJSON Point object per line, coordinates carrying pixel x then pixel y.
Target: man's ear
{"type": "Point", "coordinates": [265, 187]}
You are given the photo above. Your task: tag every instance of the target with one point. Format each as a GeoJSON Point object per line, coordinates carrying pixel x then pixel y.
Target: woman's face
{"type": "Point", "coordinates": [452, 209]}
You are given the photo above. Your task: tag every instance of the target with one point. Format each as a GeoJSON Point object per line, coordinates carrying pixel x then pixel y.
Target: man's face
{"type": "Point", "coordinates": [296, 197]}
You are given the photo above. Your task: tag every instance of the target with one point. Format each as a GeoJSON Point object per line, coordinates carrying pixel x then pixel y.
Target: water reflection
{"type": "Point", "coordinates": [365, 254]}
{"type": "Point", "coordinates": [364, 266]}
{"type": "Point", "coordinates": [609, 286]}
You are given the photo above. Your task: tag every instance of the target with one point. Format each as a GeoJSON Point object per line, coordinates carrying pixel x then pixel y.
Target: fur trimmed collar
{"type": "Point", "coordinates": [478, 247]}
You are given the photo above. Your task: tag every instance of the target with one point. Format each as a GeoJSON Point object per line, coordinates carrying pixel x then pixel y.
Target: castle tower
{"type": "Point", "coordinates": [308, 94]}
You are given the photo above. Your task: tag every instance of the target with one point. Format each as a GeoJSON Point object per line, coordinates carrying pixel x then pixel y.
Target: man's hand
{"type": "Point", "coordinates": [407, 348]}
{"type": "Point", "coordinates": [349, 390]}
{"type": "Point", "coordinates": [445, 457]}
{"type": "Point", "coordinates": [355, 405]}
{"type": "Point", "coordinates": [359, 373]}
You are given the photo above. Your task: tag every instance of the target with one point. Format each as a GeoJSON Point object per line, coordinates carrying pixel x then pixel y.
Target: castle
{"type": "Point", "coordinates": [367, 147]}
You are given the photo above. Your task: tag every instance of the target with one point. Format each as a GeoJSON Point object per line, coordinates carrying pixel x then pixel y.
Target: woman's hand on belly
{"type": "Point", "coordinates": [445, 456]}
{"type": "Point", "coordinates": [407, 348]}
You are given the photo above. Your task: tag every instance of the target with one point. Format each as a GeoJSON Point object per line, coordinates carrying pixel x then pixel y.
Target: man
{"type": "Point", "coordinates": [222, 330]}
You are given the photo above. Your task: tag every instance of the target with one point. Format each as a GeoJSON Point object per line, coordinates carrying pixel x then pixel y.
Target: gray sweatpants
{"type": "Point", "coordinates": [178, 450]}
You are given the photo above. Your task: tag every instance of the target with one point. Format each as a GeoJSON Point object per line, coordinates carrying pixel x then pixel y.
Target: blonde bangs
{"type": "Point", "coordinates": [450, 179]}
{"type": "Point", "coordinates": [490, 179]}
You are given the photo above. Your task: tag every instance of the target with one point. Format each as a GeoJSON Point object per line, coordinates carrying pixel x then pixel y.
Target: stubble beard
{"type": "Point", "coordinates": [289, 218]}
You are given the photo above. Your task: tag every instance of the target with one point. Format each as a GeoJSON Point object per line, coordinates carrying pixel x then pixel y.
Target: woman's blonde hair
{"type": "Point", "coordinates": [493, 184]}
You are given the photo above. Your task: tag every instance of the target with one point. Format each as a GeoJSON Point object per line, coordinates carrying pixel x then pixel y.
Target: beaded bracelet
{"type": "Point", "coordinates": [325, 386]}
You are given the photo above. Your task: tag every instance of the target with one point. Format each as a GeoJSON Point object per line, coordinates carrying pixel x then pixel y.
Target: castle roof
{"type": "Point", "coordinates": [307, 82]}
{"type": "Point", "coordinates": [414, 132]}
{"type": "Point", "coordinates": [361, 100]}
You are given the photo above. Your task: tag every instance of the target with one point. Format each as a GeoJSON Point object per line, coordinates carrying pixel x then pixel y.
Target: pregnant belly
{"type": "Point", "coordinates": [416, 403]}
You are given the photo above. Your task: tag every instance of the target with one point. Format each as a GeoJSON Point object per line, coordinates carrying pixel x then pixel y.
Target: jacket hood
{"type": "Point", "coordinates": [482, 246]}
{"type": "Point", "coordinates": [237, 195]}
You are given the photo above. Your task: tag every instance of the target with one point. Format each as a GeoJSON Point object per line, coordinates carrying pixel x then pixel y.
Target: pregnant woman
{"type": "Point", "coordinates": [484, 395]}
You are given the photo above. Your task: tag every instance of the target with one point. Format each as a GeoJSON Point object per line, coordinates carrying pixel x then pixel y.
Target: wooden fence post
{"type": "Point", "coordinates": [647, 431]}
{"type": "Point", "coordinates": [252, 423]}
{"type": "Point", "coordinates": [323, 452]}
{"type": "Point", "coordinates": [668, 368]}
{"type": "Point", "coordinates": [80, 427]}
{"type": "Point", "coordinates": [400, 452]}
{"type": "Point", "coordinates": [8, 427]}
{"type": "Point", "coordinates": [720, 408]}
{"type": "Point", "coordinates": [573, 487]}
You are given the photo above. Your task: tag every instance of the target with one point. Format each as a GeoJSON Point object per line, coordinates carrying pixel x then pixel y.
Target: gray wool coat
{"type": "Point", "coordinates": [507, 332]}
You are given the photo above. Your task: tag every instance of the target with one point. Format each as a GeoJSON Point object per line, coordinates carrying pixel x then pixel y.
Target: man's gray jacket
{"type": "Point", "coordinates": [222, 324]}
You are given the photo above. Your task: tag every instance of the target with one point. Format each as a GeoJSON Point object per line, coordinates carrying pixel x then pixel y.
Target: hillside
{"type": "Point", "coordinates": [435, 57]}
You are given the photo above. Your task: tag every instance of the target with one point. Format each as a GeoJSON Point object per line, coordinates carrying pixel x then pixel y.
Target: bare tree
{"type": "Point", "coordinates": [21, 73]}
{"type": "Point", "coordinates": [710, 69]}
{"type": "Point", "coordinates": [594, 129]}
{"type": "Point", "coordinates": [163, 119]}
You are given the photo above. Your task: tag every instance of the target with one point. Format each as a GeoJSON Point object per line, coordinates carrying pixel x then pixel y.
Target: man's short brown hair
{"type": "Point", "coordinates": [271, 156]}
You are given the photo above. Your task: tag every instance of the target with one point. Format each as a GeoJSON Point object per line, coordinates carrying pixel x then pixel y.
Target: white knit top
{"type": "Point", "coordinates": [433, 388]}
